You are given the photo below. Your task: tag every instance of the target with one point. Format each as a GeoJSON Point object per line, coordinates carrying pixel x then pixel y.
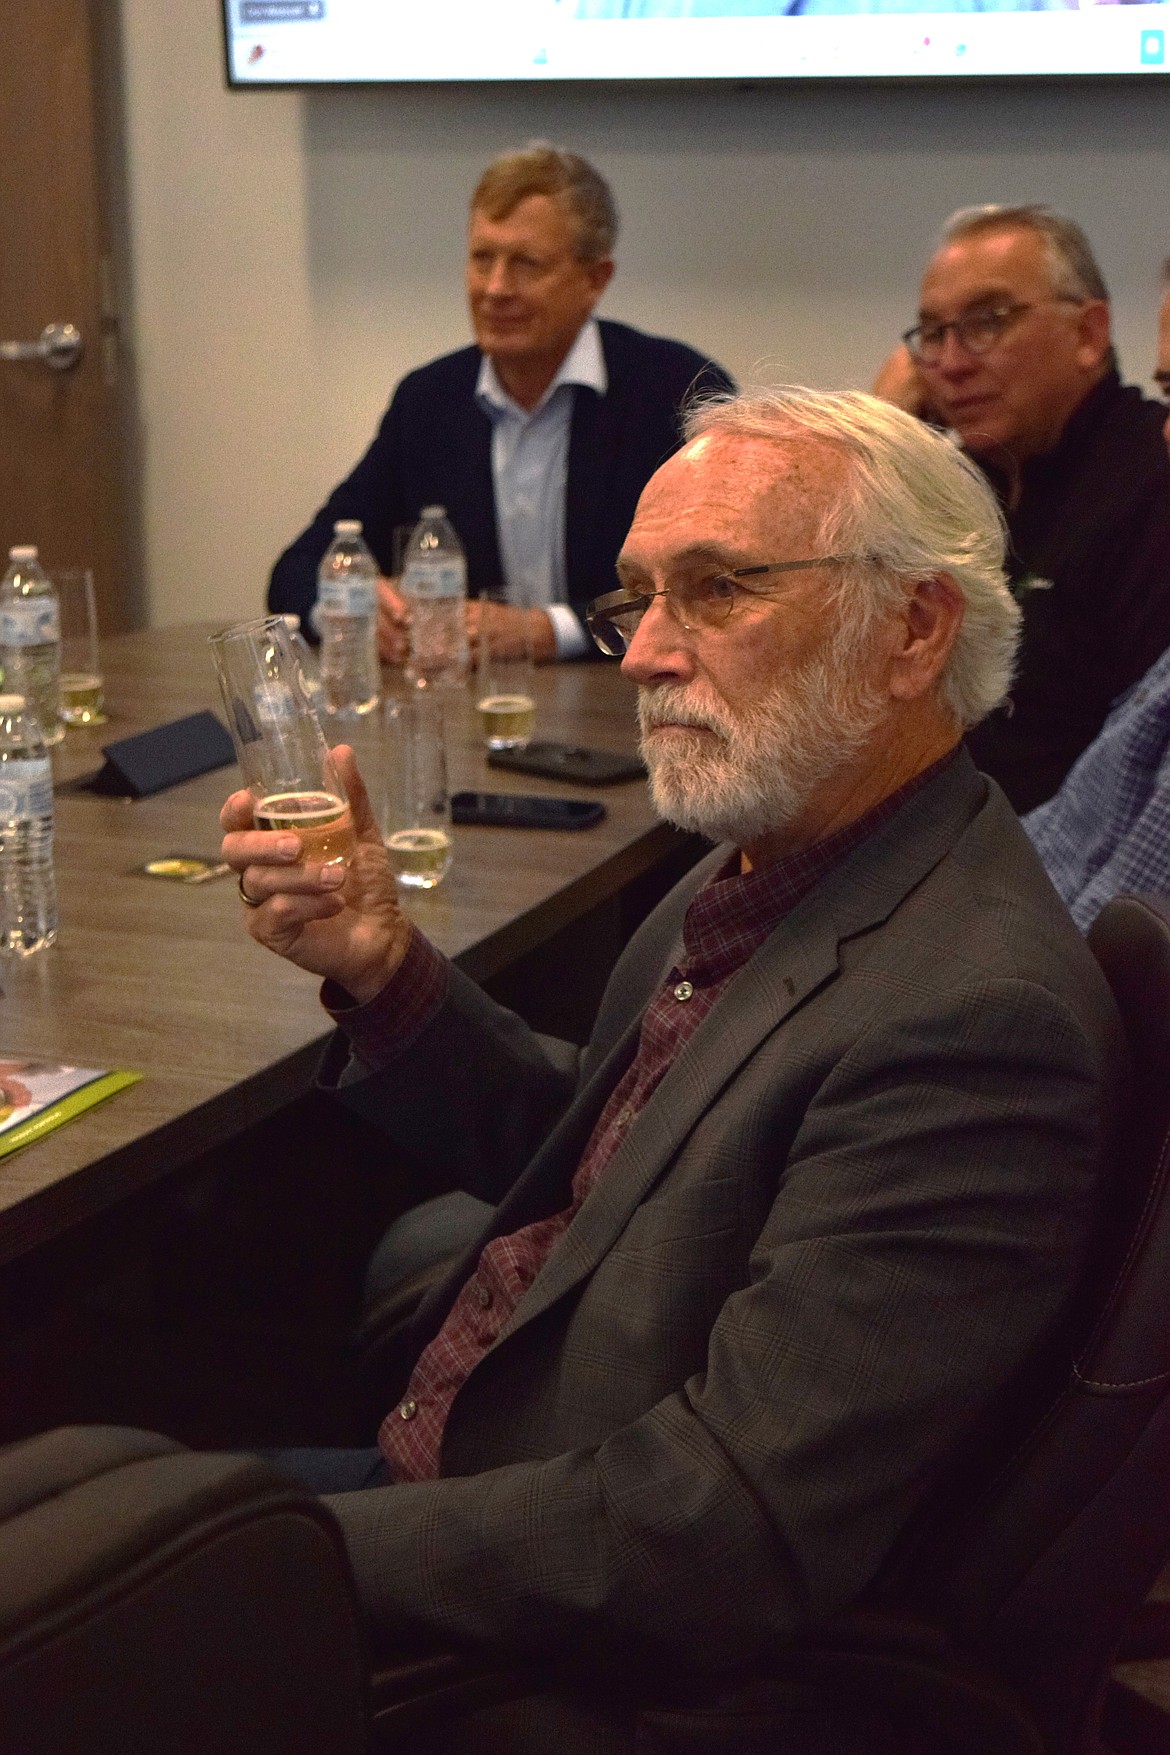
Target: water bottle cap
{"type": "Point", "coordinates": [12, 703]}
{"type": "Point", "coordinates": [348, 527]}
{"type": "Point", "coordinates": [434, 511]}
{"type": "Point", "coordinates": [24, 552]}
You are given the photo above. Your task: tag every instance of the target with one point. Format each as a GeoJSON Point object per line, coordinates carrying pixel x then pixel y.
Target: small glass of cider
{"type": "Point", "coordinates": [280, 746]}
{"type": "Point", "coordinates": [416, 824]}
{"type": "Point", "coordinates": [83, 696]}
{"type": "Point", "coordinates": [505, 697]}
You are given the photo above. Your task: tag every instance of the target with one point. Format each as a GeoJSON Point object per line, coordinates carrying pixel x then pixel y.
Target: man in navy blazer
{"type": "Point", "coordinates": [537, 440]}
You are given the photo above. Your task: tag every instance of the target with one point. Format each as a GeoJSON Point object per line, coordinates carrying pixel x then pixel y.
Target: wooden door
{"type": "Point", "coordinates": [60, 475]}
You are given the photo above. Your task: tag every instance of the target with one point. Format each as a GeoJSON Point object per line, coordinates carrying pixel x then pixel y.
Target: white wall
{"type": "Point", "coordinates": [293, 254]}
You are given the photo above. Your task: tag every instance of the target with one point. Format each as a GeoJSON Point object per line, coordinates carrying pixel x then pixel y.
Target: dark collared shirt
{"type": "Point", "coordinates": [728, 920]}
{"type": "Point", "coordinates": [1089, 560]}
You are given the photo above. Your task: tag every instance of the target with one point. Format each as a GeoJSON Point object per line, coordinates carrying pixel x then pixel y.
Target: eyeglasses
{"type": "Point", "coordinates": [977, 333]}
{"type": "Point", "coordinates": [698, 604]}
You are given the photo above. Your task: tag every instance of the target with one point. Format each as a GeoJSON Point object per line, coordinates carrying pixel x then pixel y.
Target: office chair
{"type": "Point", "coordinates": [993, 1627]}
{"type": "Point", "coordinates": [185, 1585]}
{"type": "Point", "coordinates": [1035, 1573]}
{"type": "Point", "coordinates": [156, 1600]}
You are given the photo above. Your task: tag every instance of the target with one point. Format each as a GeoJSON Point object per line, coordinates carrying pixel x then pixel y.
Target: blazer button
{"type": "Point", "coordinates": [683, 991]}
{"type": "Point", "coordinates": [408, 1409]}
{"type": "Point", "coordinates": [483, 1297]}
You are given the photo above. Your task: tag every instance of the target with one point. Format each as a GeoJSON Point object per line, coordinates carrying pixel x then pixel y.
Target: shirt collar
{"type": "Point", "coordinates": [734, 912]}
{"type": "Point", "coordinates": [583, 364]}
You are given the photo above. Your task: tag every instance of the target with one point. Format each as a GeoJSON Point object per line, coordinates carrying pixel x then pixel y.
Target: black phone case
{"type": "Point", "coordinates": [567, 761]}
{"type": "Point", "coordinates": [517, 810]}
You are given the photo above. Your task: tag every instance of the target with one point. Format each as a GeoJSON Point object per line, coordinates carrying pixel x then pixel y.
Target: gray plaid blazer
{"type": "Point", "coordinates": [852, 1210]}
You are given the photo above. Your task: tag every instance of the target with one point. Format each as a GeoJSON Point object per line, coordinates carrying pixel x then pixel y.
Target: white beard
{"type": "Point", "coordinates": [763, 765]}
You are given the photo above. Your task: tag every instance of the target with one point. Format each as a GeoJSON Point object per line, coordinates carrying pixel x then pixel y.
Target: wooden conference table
{"type": "Point", "coordinates": [161, 977]}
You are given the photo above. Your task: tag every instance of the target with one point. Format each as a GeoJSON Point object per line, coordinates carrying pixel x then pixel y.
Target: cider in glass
{"type": "Point", "coordinates": [420, 857]}
{"type": "Point", "coordinates": [82, 699]}
{"type": "Point", "coordinates": [321, 819]}
{"type": "Point", "coordinates": [507, 721]}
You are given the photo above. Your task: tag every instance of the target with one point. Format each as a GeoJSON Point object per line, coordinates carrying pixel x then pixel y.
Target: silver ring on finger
{"type": "Point", "coordinates": [245, 898]}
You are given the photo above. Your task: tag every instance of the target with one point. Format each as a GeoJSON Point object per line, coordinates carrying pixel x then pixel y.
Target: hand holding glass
{"type": "Point", "coordinates": [280, 746]}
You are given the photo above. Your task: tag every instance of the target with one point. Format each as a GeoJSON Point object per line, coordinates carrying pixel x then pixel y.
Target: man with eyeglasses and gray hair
{"type": "Point", "coordinates": [1012, 352]}
{"type": "Point", "coordinates": [822, 1182]}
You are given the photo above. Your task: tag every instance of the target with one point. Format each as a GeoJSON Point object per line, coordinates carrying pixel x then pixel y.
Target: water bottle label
{"type": "Point", "coordinates": [26, 790]}
{"type": "Point", "coordinates": [32, 623]}
{"type": "Point", "coordinates": [344, 595]}
{"type": "Point", "coordinates": [433, 579]}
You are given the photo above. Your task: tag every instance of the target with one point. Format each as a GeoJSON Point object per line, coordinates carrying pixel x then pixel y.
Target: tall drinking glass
{"type": "Point", "coordinates": [505, 695]}
{"type": "Point", "coordinates": [82, 688]}
{"type": "Point", "coordinates": [416, 824]}
{"type": "Point", "coordinates": [280, 746]}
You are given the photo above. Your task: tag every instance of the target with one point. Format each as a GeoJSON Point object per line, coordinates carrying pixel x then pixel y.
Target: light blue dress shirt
{"type": "Point", "coordinates": [530, 468]}
{"type": "Point", "coordinates": [1108, 828]}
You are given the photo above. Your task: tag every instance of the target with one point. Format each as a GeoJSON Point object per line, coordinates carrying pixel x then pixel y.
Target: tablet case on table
{"type": "Point", "coordinates": [153, 760]}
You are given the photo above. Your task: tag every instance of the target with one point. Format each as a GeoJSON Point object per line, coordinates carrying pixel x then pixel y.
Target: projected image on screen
{"type": "Point", "coordinates": [307, 42]}
{"type": "Point", "coordinates": [803, 8]}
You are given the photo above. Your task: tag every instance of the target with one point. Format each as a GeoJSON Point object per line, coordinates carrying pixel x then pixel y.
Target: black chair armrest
{"type": "Point", "coordinates": [153, 1598]}
{"type": "Point", "coordinates": [416, 1691]}
{"type": "Point", "coordinates": [941, 1701]}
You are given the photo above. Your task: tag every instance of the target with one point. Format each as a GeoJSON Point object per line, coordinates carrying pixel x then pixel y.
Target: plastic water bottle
{"type": "Point", "coordinates": [434, 583]}
{"type": "Point", "coordinates": [30, 640]}
{"type": "Point", "coordinates": [28, 894]}
{"type": "Point", "coordinates": [347, 621]}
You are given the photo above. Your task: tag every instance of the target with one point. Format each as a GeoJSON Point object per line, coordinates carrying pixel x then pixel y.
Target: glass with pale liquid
{"type": "Point", "coordinates": [416, 825]}
{"type": "Point", "coordinates": [280, 746]}
{"type": "Point", "coordinates": [82, 697]}
{"type": "Point", "coordinates": [505, 698]}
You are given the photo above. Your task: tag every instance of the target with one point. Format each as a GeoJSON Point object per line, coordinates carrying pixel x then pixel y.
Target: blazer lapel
{"type": "Point", "coordinates": [798, 958]}
{"type": "Point", "coordinates": [755, 1003]}
{"type": "Point", "coordinates": [545, 1185]}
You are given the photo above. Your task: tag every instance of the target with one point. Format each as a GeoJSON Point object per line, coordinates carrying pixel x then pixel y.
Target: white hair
{"type": "Point", "coordinates": [913, 506]}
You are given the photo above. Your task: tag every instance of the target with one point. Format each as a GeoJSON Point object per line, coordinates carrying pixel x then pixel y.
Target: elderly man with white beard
{"type": "Point", "coordinates": [822, 1183]}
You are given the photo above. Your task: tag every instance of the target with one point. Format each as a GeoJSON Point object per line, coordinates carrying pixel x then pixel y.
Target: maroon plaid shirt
{"type": "Point", "coordinates": [728, 919]}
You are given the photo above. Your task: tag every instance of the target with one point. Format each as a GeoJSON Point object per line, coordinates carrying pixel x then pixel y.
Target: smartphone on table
{"type": "Point", "coordinates": [518, 810]}
{"type": "Point", "coordinates": [569, 761]}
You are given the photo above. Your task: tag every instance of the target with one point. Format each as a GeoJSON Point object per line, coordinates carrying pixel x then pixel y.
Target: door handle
{"type": "Point", "coordinates": [60, 346]}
